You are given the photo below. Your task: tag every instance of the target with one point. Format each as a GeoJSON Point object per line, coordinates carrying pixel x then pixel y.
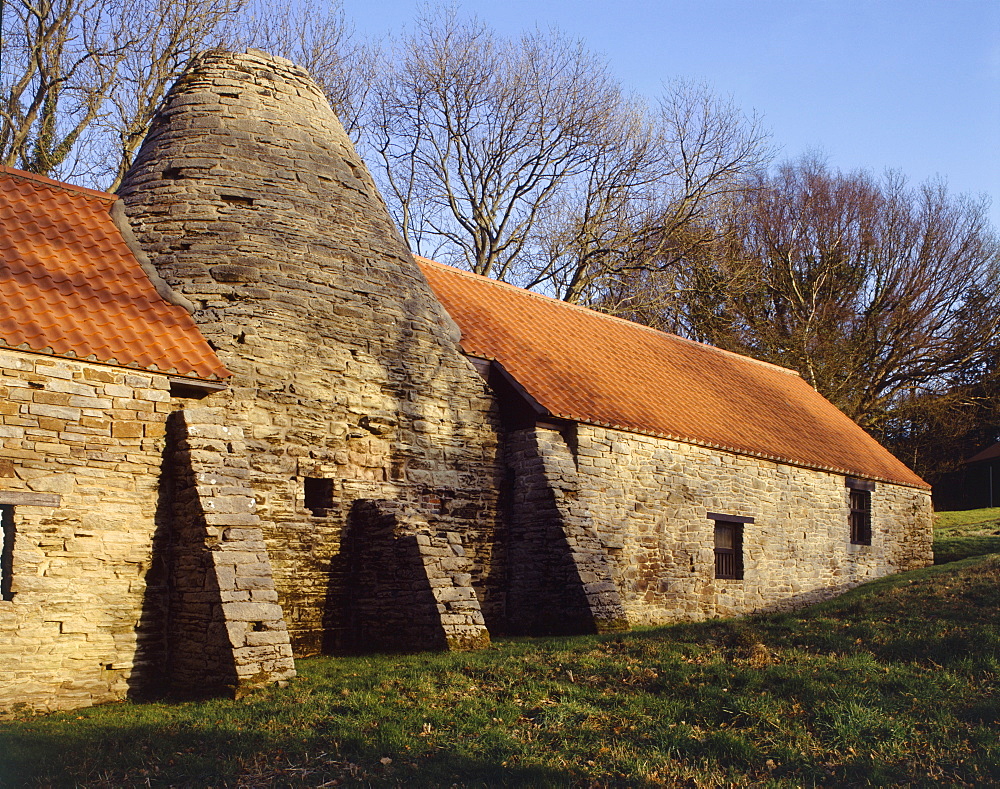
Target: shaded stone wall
{"type": "Point", "coordinates": [82, 625]}
{"type": "Point", "coordinates": [649, 498]}
{"type": "Point", "coordinates": [226, 631]}
{"type": "Point", "coordinates": [250, 200]}
{"type": "Point", "coordinates": [409, 587]}
{"type": "Point", "coordinates": [560, 575]}
{"type": "Point", "coordinates": [138, 561]}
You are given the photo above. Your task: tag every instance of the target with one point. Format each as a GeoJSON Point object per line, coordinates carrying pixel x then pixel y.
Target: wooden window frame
{"type": "Point", "coordinates": [861, 517]}
{"type": "Point", "coordinates": [729, 561]}
{"type": "Point", "coordinates": [859, 496]}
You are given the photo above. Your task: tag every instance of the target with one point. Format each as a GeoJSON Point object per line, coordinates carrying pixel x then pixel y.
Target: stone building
{"type": "Point", "coordinates": [96, 369]}
{"type": "Point", "coordinates": [678, 480]}
{"type": "Point", "coordinates": [241, 422]}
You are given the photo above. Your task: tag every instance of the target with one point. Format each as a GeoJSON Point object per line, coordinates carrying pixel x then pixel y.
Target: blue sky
{"type": "Point", "coordinates": [911, 85]}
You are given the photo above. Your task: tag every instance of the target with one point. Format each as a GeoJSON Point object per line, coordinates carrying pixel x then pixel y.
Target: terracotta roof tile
{"type": "Point", "coordinates": [589, 367]}
{"type": "Point", "coordinates": [71, 286]}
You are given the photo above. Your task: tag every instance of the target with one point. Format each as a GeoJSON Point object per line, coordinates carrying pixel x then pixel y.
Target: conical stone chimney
{"type": "Point", "coordinates": [349, 384]}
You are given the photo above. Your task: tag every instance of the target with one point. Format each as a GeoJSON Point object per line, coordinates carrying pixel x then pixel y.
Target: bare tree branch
{"type": "Point", "coordinates": [870, 288]}
{"type": "Point", "coordinates": [81, 79]}
{"type": "Point", "coordinates": [482, 132]}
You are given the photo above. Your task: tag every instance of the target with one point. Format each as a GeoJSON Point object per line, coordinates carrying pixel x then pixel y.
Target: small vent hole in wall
{"type": "Point", "coordinates": [257, 627]}
{"type": "Point", "coordinates": [172, 174]}
{"type": "Point", "coordinates": [318, 495]}
{"type": "Point", "coordinates": [236, 200]}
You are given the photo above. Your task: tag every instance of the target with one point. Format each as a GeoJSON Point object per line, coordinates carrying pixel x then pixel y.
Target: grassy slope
{"type": "Point", "coordinates": [964, 533]}
{"type": "Point", "coordinates": [896, 682]}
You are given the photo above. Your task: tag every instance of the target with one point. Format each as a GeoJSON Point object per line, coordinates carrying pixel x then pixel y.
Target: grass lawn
{"type": "Point", "coordinates": [963, 533]}
{"type": "Point", "coordinates": [895, 683]}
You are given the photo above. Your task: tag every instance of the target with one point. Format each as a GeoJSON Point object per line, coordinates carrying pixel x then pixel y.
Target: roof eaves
{"type": "Point", "coordinates": [739, 451]}
{"type": "Point", "coordinates": [92, 359]}
{"type": "Point", "coordinates": [989, 453]}
{"type": "Point", "coordinates": [539, 409]}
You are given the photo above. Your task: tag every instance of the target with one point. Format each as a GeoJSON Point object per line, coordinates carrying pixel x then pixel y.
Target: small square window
{"type": "Point", "coordinates": [728, 550]}
{"type": "Point", "coordinates": [319, 495]}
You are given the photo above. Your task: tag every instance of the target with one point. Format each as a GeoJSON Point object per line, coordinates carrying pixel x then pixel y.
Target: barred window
{"type": "Point", "coordinates": [861, 517]}
{"type": "Point", "coordinates": [860, 492]}
{"type": "Point", "coordinates": [729, 548]}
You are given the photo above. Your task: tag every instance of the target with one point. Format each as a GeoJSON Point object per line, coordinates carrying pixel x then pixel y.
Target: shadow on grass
{"type": "Point", "coordinates": [940, 615]}
{"type": "Point", "coordinates": [183, 755]}
{"type": "Point", "coordinates": [893, 683]}
{"type": "Point", "coordinates": [953, 549]}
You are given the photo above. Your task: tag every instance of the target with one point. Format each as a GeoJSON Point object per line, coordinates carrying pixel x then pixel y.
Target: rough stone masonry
{"type": "Point", "coordinates": [356, 485]}
{"type": "Point", "coordinates": [348, 379]}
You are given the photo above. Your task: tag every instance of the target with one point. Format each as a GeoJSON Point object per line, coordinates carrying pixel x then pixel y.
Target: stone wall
{"type": "Point", "coordinates": [80, 446]}
{"type": "Point", "coordinates": [648, 500]}
{"type": "Point", "coordinates": [138, 562]}
{"type": "Point", "coordinates": [250, 200]}
{"type": "Point", "coordinates": [343, 492]}
{"type": "Point", "coordinates": [226, 633]}
{"type": "Point", "coordinates": [561, 575]}
{"type": "Point", "coordinates": [409, 586]}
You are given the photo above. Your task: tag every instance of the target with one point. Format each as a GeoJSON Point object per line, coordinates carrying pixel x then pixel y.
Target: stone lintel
{"type": "Point", "coordinates": [29, 499]}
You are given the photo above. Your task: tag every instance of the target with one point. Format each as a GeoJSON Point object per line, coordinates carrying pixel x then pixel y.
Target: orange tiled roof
{"type": "Point", "coordinates": [70, 286]}
{"type": "Point", "coordinates": [590, 367]}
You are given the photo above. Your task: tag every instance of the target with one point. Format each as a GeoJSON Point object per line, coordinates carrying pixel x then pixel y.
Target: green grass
{"type": "Point", "coordinates": [894, 683]}
{"type": "Point", "coordinates": [964, 533]}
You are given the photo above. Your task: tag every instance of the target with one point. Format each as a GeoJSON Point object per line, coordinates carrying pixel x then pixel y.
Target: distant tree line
{"type": "Point", "coordinates": [524, 159]}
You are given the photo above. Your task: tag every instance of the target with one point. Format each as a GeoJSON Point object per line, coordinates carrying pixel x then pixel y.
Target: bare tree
{"type": "Point", "coordinates": [935, 433]}
{"type": "Point", "coordinates": [60, 59]}
{"type": "Point", "coordinates": [873, 290]}
{"type": "Point", "coordinates": [476, 133]}
{"type": "Point", "coordinates": [81, 79]}
{"type": "Point", "coordinates": [524, 160]}
{"type": "Point", "coordinates": [649, 199]}
{"type": "Point", "coordinates": [590, 227]}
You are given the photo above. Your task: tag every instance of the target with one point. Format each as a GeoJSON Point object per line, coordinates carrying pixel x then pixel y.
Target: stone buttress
{"type": "Point", "coordinates": [349, 384]}
{"type": "Point", "coordinates": [225, 632]}
{"type": "Point", "coordinates": [561, 577]}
